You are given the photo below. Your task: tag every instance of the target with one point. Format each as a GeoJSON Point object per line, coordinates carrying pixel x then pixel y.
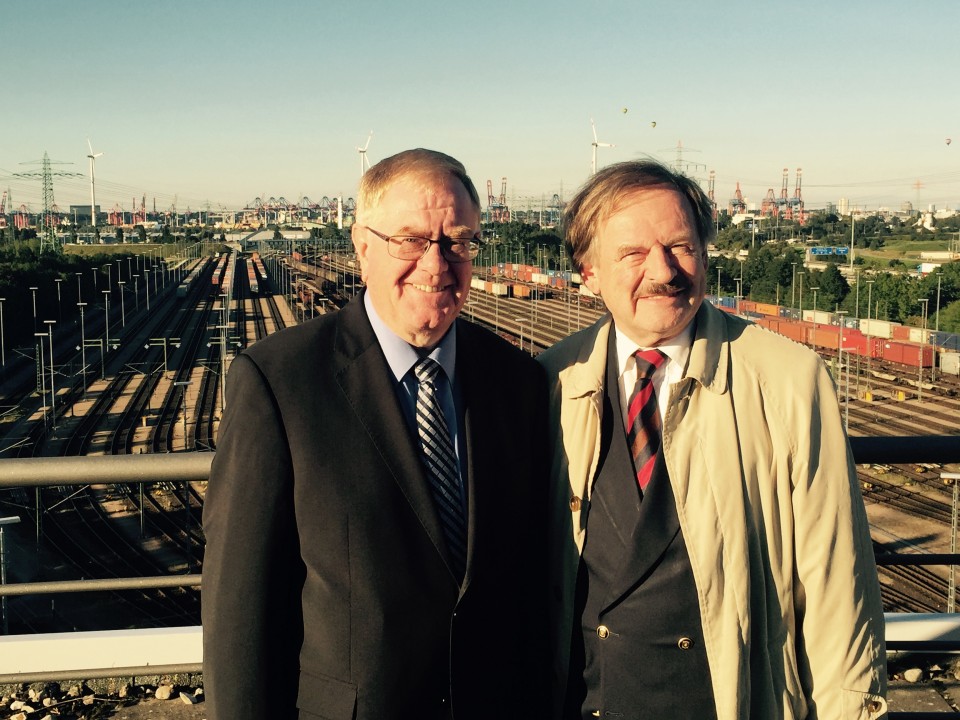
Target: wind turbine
{"type": "Point", "coordinates": [93, 197]}
{"type": "Point", "coordinates": [595, 144]}
{"type": "Point", "coordinates": [364, 163]}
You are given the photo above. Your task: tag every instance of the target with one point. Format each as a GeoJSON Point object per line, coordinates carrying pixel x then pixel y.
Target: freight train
{"type": "Point", "coordinates": [881, 340]}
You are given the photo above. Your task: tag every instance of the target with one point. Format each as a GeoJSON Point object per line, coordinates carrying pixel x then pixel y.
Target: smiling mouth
{"type": "Point", "coordinates": [429, 288]}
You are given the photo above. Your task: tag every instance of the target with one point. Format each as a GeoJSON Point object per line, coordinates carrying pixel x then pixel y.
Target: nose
{"type": "Point", "coordinates": [432, 260]}
{"type": "Point", "coordinates": [660, 264]}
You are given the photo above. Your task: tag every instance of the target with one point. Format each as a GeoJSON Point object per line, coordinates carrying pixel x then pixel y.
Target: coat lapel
{"type": "Point", "coordinates": [367, 383]}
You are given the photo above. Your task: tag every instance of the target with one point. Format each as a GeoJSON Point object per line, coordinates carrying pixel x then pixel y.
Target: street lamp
{"type": "Point", "coordinates": [43, 373]}
{"type": "Point", "coordinates": [123, 309]}
{"type": "Point", "coordinates": [936, 329]}
{"type": "Point", "coordinates": [83, 348]}
{"type": "Point", "coordinates": [53, 393]}
{"type": "Point", "coordinates": [106, 314]}
{"type": "Point", "coordinates": [814, 343]}
{"type": "Point", "coordinates": [923, 341]}
{"type": "Point", "coordinates": [79, 299]}
{"type": "Point", "coordinates": [59, 310]}
{"type": "Point", "coordinates": [33, 292]}
{"type": "Point", "coordinates": [3, 347]}
{"type": "Point", "coordinates": [801, 274]}
{"type": "Point", "coordinates": [793, 286]}
{"type": "Point", "coordinates": [4, 521]}
{"type": "Point", "coordinates": [846, 402]}
{"type": "Point", "coordinates": [869, 329]}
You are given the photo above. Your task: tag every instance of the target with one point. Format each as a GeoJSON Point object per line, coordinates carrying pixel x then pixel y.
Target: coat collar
{"type": "Point", "coordinates": [707, 364]}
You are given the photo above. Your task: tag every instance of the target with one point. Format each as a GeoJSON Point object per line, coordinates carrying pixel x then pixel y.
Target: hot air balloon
{"type": "Point", "coordinates": [949, 141]}
{"type": "Point", "coordinates": [624, 111]}
{"type": "Point", "coordinates": [653, 124]}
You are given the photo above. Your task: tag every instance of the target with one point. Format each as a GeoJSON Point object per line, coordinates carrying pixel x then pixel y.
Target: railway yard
{"type": "Point", "coordinates": [151, 382]}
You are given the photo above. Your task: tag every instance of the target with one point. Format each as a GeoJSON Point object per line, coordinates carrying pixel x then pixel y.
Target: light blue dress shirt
{"type": "Point", "coordinates": [402, 357]}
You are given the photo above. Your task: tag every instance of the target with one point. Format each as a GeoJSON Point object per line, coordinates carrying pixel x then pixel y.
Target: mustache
{"type": "Point", "coordinates": [677, 286]}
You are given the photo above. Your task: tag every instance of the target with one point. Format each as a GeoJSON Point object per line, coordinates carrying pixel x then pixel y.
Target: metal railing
{"type": "Point", "coordinates": [913, 632]}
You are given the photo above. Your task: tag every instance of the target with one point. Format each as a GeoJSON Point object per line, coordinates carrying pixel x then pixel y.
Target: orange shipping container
{"type": "Point", "coordinates": [901, 333]}
{"type": "Point", "coordinates": [793, 330]}
{"type": "Point", "coordinates": [768, 309]}
{"type": "Point", "coordinates": [824, 336]}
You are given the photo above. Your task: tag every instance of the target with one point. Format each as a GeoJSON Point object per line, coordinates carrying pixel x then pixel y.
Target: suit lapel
{"type": "Point", "coordinates": [478, 411]}
{"type": "Point", "coordinates": [367, 383]}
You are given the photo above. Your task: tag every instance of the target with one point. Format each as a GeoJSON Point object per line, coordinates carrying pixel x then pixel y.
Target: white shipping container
{"type": "Point", "coordinates": [919, 335]}
{"type": "Point", "coordinates": [818, 316]}
{"type": "Point", "coordinates": [950, 363]}
{"type": "Point", "coordinates": [877, 328]}
{"type": "Point", "coordinates": [575, 278]}
{"type": "Point", "coordinates": [499, 289]}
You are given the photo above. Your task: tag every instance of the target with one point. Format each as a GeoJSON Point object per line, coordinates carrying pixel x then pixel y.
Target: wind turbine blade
{"type": "Point", "coordinates": [592, 126]}
{"type": "Point", "coordinates": [368, 141]}
{"type": "Point", "coordinates": [90, 146]}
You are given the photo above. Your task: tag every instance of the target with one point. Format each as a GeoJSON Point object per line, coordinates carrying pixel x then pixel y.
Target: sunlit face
{"type": "Point", "coordinates": [648, 265]}
{"type": "Point", "coordinates": [418, 300]}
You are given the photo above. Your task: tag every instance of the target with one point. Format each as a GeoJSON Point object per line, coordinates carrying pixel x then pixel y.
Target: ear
{"type": "Point", "coordinates": [590, 277]}
{"type": "Point", "coordinates": [361, 246]}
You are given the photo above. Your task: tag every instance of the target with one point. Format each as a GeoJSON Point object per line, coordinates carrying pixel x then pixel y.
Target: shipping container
{"type": "Point", "coordinates": [747, 305]}
{"type": "Point", "coordinates": [819, 317]}
{"type": "Point", "coordinates": [796, 331]}
{"type": "Point", "coordinates": [768, 309]}
{"type": "Point", "coordinates": [877, 328]}
{"type": "Point", "coordinates": [950, 363]}
{"type": "Point", "coordinates": [908, 354]}
{"type": "Point", "coordinates": [919, 335]}
{"type": "Point", "coordinates": [521, 291]}
{"type": "Point", "coordinates": [900, 333]}
{"type": "Point", "coordinates": [499, 289]}
{"type": "Point", "coordinates": [824, 336]}
{"type": "Point", "coordinates": [874, 346]}
{"type": "Point", "coordinates": [854, 344]}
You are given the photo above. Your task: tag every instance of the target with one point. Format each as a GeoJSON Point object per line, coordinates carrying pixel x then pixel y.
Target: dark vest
{"type": "Point", "coordinates": [641, 651]}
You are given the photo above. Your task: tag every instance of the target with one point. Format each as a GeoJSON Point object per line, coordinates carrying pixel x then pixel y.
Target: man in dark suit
{"type": "Point", "coordinates": [374, 551]}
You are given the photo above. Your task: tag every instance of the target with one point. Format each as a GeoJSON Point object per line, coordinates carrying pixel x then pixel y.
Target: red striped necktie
{"type": "Point", "coordinates": [643, 416]}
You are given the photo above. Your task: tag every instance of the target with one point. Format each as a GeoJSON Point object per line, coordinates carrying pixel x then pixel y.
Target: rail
{"type": "Point", "coordinates": [166, 650]}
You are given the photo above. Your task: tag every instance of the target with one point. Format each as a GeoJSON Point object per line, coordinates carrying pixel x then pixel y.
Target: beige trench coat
{"type": "Point", "coordinates": [770, 509]}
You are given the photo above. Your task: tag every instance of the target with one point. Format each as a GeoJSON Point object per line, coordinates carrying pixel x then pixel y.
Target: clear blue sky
{"type": "Point", "coordinates": [226, 101]}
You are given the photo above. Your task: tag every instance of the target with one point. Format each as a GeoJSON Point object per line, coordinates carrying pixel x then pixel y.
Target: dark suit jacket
{"type": "Point", "coordinates": [326, 589]}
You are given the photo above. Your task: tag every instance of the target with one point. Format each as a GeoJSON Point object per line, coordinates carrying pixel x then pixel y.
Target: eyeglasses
{"type": "Point", "coordinates": [411, 247]}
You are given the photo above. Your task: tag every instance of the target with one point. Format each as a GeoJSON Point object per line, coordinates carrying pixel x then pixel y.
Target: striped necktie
{"type": "Point", "coordinates": [443, 469]}
{"type": "Point", "coordinates": [643, 416]}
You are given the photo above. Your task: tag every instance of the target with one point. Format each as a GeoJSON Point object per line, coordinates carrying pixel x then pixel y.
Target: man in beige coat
{"type": "Point", "coordinates": [739, 580]}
